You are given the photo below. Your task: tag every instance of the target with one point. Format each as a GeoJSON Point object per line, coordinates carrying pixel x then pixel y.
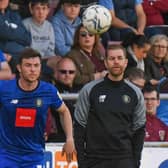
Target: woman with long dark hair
{"type": "Point", "coordinates": [137, 47]}
{"type": "Point", "coordinates": [88, 55]}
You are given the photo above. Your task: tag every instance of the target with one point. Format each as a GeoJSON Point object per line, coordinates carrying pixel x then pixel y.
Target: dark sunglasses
{"type": "Point", "coordinates": [84, 34]}
{"type": "Point", "coordinates": [62, 71]}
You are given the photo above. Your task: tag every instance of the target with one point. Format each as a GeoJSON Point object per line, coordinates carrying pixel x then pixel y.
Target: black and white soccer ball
{"type": "Point", "coordinates": [97, 19]}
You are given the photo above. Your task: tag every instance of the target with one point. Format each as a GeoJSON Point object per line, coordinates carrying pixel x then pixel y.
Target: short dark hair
{"type": "Point", "coordinates": [134, 73]}
{"type": "Point", "coordinates": [115, 47]}
{"type": "Point", "coordinates": [43, 2]}
{"type": "Point", "coordinates": [71, 1]}
{"type": "Point", "coordinates": [150, 88]}
{"type": "Point", "coordinates": [28, 53]}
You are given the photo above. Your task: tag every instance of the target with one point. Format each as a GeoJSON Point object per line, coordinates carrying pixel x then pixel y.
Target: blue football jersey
{"type": "Point", "coordinates": [2, 57]}
{"type": "Point", "coordinates": [23, 115]}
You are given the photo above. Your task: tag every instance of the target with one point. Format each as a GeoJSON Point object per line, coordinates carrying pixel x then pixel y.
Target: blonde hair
{"type": "Point", "coordinates": [158, 38]}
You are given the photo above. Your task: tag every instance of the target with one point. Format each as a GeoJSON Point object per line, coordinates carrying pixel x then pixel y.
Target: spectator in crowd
{"type": "Point", "coordinates": [24, 104]}
{"type": "Point", "coordinates": [156, 64]}
{"type": "Point", "coordinates": [110, 118]}
{"type": "Point", "coordinates": [64, 81]}
{"type": "Point", "coordinates": [127, 16]}
{"type": "Point", "coordinates": [5, 70]}
{"type": "Point", "coordinates": [137, 48]}
{"type": "Point", "coordinates": [65, 75]}
{"type": "Point", "coordinates": [154, 10]}
{"type": "Point", "coordinates": [156, 130]}
{"type": "Point", "coordinates": [65, 22]}
{"type": "Point", "coordinates": [136, 76]}
{"type": "Point", "coordinates": [21, 6]}
{"type": "Point", "coordinates": [13, 35]}
{"type": "Point", "coordinates": [87, 56]}
{"type": "Point", "coordinates": [42, 32]}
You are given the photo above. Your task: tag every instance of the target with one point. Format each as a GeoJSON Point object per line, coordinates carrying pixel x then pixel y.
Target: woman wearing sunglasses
{"type": "Point", "coordinates": [88, 55]}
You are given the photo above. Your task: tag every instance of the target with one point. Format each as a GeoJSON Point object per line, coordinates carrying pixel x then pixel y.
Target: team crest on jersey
{"type": "Point", "coordinates": [102, 98]}
{"type": "Point", "coordinates": [38, 102]}
{"type": "Point", "coordinates": [126, 99]}
{"type": "Point", "coordinates": [14, 101]}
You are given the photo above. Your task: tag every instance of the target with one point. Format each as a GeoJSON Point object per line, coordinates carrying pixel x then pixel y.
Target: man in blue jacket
{"type": "Point", "coordinates": [13, 35]}
{"type": "Point", "coordinates": [65, 23]}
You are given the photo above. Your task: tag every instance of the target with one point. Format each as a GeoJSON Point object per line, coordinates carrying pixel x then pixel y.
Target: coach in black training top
{"type": "Point", "coordinates": [110, 118]}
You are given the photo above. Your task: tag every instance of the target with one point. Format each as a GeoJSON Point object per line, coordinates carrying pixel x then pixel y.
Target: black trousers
{"type": "Point", "coordinates": [108, 163]}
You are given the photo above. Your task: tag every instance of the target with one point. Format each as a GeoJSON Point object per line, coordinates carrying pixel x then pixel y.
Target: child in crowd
{"type": "Point", "coordinates": [65, 22]}
{"type": "Point", "coordinates": [41, 30]}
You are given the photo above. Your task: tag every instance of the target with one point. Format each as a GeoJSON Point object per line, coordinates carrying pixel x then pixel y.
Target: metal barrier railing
{"type": "Point", "coordinates": [164, 96]}
{"type": "Point", "coordinates": [156, 144]}
{"type": "Point", "coordinates": [146, 144]}
{"type": "Point", "coordinates": [69, 96]}
{"type": "Point", "coordinates": [74, 96]}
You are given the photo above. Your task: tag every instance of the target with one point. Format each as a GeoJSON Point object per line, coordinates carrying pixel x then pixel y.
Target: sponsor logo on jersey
{"type": "Point", "coordinates": [25, 117]}
{"type": "Point", "coordinates": [126, 99]}
{"type": "Point", "coordinates": [102, 98]}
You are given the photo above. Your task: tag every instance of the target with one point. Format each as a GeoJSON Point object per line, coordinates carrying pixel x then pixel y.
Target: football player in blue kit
{"type": "Point", "coordinates": [24, 103]}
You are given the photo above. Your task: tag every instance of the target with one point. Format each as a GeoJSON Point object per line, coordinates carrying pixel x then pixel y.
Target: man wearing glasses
{"type": "Point", "coordinates": [156, 130]}
{"type": "Point", "coordinates": [64, 81]}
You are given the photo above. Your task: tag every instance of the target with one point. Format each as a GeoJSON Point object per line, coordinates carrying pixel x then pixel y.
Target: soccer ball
{"type": "Point", "coordinates": [97, 19]}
